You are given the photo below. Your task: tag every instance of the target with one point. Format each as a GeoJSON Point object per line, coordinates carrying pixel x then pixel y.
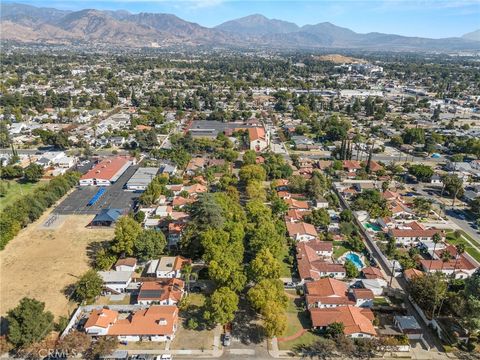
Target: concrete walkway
{"type": "Point", "coordinates": [275, 352]}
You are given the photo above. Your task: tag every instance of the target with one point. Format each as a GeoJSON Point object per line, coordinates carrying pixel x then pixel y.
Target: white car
{"type": "Point", "coordinates": [164, 357]}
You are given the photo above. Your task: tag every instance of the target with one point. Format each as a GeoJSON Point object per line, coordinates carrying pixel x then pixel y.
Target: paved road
{"type": "Point", "coordinates": [464, 224]}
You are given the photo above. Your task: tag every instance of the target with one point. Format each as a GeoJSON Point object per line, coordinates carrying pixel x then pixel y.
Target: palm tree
{"type": "Point", "coordinates": [445, 257]}
{"type": "Point", "coordinates": [460, 248]}
{"type": "Point", "coordinates": [187, 272]}
{"type": "Point", "coordinates": [436, 238]}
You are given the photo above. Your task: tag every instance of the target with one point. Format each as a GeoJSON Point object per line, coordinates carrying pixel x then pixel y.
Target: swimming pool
{"type": "Point", "coordinates": [374, 227]}
{"type": "Point", "coordinates": [355, 259]}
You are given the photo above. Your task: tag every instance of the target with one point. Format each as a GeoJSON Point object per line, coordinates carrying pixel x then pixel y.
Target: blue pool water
{"type": "Point", "coordinates": [356, 260]}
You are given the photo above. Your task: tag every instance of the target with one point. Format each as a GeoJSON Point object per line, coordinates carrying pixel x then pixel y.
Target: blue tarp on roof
{"type": "Point", "coordinates": [108, 215]}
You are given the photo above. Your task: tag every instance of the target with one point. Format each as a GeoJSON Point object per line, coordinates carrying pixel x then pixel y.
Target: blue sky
{"type": "Point", "coordinates": [428, 18]}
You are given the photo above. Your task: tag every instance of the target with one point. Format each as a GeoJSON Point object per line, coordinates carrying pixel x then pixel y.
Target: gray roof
{"type": "Point", "coordinates": [407, 322]}
{"type": "Point", "coordinates": [142, 177]}
{"type": "Point", "coordinates": [115, 276]}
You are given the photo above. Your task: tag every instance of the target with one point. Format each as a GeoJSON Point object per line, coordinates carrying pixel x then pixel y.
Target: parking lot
{"type": "Point", "coordinates": [115, 197]}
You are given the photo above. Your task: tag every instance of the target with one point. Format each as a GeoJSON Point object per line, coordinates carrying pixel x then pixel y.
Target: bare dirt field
{"type": "Point", "coordinates": [39, 262]}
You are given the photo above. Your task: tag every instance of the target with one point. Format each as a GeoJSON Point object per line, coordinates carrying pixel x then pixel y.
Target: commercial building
{"type": "Point", "coordinates": [141, 179]}
{"type": "Point", "coordinates": [106, 172]}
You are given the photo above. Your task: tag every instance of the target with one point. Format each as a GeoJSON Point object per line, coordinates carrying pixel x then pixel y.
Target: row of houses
{"type": "Point", "coordinates": [153, 316]}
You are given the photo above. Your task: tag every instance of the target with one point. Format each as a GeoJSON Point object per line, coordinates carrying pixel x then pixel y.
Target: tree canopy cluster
{"type": "Point", "coordinates": [29, 208]}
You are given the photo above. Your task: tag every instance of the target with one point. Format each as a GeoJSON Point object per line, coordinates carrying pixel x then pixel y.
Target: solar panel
{"type": "Point", "coordinates": [150, 293]}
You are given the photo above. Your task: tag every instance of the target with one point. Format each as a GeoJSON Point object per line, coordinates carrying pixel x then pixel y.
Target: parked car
{"type": "Point", "coordinates": [227, 339]}
{"type": "Point", "coordinates": [164, 357]}
{"type": "Point", "coordinates": [289, 285]}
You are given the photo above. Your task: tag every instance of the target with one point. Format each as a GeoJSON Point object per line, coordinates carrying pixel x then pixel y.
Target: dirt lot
{"type": "Point", "coordinates": [40, 263]}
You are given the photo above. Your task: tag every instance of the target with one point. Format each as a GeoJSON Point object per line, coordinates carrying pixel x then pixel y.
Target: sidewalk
{"type": "Point", "coordinates": [275, 352]}
{"type": "Point", "coordinates": [215, 353]}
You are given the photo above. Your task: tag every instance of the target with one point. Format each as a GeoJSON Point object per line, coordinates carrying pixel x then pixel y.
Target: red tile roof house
{"type": "Point", "coordinates": [322, 249]}
{"type": "Point", "coordinates": [463, 266]}
{"type": "Point", "coordinates": [157, 323]}
{"type": "Point", "coordinates": [259, 139]}
{"type": "Point", "coordinates": [295, 215]}
{"type": "Point", "coordinates": [168, 292]}
{"type": "Point", "coordinates": [126, 264]}
{"type": "Point", "coordinates": [327, 293]}
{"type": "Point", "coordinates": [351, 165]}
{"type": "Point", "coordinates": [357, 321]}
{"type": "Point", "coordinates": [300, 231]}
{"type": "Point", "coordinates": [311, 266]}
{"type": "Point", "coordinates": [372, 273]}
{"type": "Point", "coordinates": [297, 204]}
{"type": "Point", "coordinates": [106, 172]}
{"type": "Point", "coordinates": [412, 233]}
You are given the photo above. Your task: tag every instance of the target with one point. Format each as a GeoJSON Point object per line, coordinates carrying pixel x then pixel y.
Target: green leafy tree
{"type": "Point", "coordinates": [453, 185]}
{"type": "Point", "coordinates": [274, 319]}
{"type": "Point", "coordinates": [250, 157]}
{"type": "Point", "coordinates": [255, 190]}
{"type": "Point", "coordinates": [372, 201]}
{"type": "Point", "coordinates": [318, 218]}
{"type": "Point", "coordinates": [351, 271]}
{"type": "Point", "coordinates": [221, 306]}
{"type": "Point", "coordinates": [265, 291]}
{"type": "Point", "coordinates": [264, 266]}
{"type": "Point", "coordinates": [88, 287]}
{"type": "Point", "coordinates": [150, 244]}
{"type": "Point", "coordinates": [127, 231]}
{"type": "Point", "coordinates": [428, 291]}
{"type": "Point", "coordinates": [28, 323]}
{"type": "Point", "coordinates": [421, 172]}
{"type": "Point", "coordinates": [104, 260]}
{"type": "Point", "coordinates": [422, 205]}
{"type": "Point", "coordinates": [265, 235]}
{"type": "Point", "coordinates": [334, 330]}
{"type": "Point", "coordinates": [207, 211]}
{"type": "Point", "coordinates": [33, 173]}
{"type": "Point", "coordinates": [252, 172]}
{"type": "Point", "coordinates": [346, 215]}
{"type": "Point", "coordinates": [278, 205]}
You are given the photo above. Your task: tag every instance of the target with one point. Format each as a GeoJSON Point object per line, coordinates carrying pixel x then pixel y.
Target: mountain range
{"type": "Point", "coordinates": [34, 25]}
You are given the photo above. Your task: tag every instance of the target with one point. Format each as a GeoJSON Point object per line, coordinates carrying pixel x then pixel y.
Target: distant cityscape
{"type": "Point", "coordinates": [210, 197]}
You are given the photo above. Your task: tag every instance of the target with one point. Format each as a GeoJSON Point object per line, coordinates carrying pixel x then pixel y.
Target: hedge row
{"type": "Point", "coordinates": [30, 207]}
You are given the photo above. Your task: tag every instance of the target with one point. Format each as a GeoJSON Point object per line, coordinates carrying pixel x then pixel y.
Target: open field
{"type": "Point", "coordinates": [39, 263]}
{"type": "Point", "coordinates": [15, 190]}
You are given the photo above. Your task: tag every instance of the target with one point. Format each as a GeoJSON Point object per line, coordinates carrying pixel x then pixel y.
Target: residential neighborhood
{"type": "Point", "coordinates": [229, 204]}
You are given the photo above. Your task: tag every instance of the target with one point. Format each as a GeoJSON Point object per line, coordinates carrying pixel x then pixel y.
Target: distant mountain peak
{"type": "Point", "coordinates": [474, 35]}
{"type": "Point", "coordinates": [258, 25]}
{"type": "Point", "coordinates": [29, 24]}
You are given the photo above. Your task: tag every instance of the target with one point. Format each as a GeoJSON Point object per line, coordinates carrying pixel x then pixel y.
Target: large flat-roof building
{"type": "Point", "coordinates": [106, 172]}
{"type": "Point", "coordinates": [141, 179]}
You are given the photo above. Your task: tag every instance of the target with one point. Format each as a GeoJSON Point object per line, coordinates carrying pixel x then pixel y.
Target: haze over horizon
{"type": "Point", "coordinates": [427, 18]}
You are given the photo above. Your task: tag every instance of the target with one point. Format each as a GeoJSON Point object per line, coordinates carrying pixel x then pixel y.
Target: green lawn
{"type": "Point", "coordinates": [297, 319]}
{"type": "Point", "coordinates": [380, 301]}
{"type": "Point", "coordinates": [286, 268]}
{"type": "Point", "coordinates": [15, 190]}
{"type": "Point", "coordinates": [339, 249]}
{"type": "Point", "coordinates": [196, 299]}
{"type": "Point", "coordinates": [460, 240]}
{"type": "Point", "coordinates": [306, 339]}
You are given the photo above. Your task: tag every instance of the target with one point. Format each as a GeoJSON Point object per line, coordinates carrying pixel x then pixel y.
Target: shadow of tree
{"type": "Point", "coordinates": [94, 247]}
{"type": "Point", "coordinates": [246, 327]}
